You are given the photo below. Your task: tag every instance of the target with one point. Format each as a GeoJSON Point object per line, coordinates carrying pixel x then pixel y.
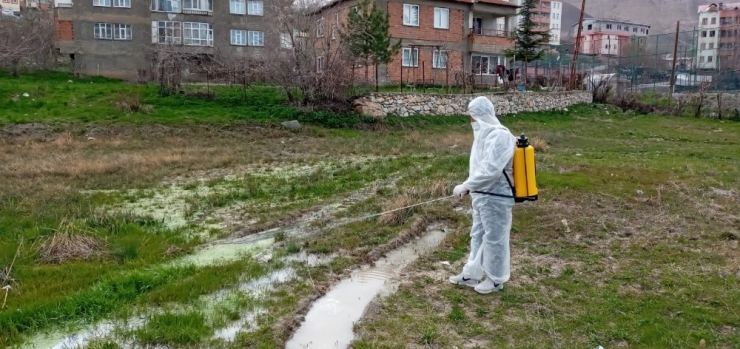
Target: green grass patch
{"type": "Point", "coordinates": [175, 329]}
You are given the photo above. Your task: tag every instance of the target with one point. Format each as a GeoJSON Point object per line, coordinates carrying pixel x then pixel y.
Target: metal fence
{"type": "Point", "coordinates": [704, 59]}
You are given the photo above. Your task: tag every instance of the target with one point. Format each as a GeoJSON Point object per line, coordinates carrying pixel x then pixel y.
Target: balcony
{"type": "Point", "coordinates": [491, 32]}
{"type": "Point", "coordinates": [490, 40]}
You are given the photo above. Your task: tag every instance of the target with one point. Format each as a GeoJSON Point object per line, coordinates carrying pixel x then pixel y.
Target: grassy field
{"type": "Point", "coordinates": [113, 216]}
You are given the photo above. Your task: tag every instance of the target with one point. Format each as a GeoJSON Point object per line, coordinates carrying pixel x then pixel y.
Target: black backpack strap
{"type": "Point", "coordinates": [501, 195]}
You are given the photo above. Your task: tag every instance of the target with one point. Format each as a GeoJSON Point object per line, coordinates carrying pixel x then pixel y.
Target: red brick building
{"type": "Point", "coordinates": [441, 38]}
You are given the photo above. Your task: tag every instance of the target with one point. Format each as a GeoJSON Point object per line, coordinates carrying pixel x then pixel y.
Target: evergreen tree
{"type": "Point", "coordinates": [367, 37]}
{"type": "Point", "coordinates": [528, 40]}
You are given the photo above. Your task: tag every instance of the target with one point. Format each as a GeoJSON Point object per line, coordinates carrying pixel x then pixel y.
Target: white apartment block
{"type": "Point", "coordinates": [718, 35]}
{"type": "Point", "coordinates": [556, 18]}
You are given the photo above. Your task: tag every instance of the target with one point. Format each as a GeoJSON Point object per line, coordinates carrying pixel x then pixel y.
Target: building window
{"type": "Point", "coordinates": [166, 32]}
{"type": "Point", "coordinates": [239, 37]}
{"type": "Point", "coordinates": [712, 33]}
{"type": "Point", "coordinates": [439, 59]}
{"type": "Point", "coordinates": [197, 34]}
{"type": "Point", "coordinates": [166, 5]}
{"type": "Point", "coordinates": [238, 7]}
{"type": "Point", "coordinates": [626, 28]}
{"type": "Point", "coordinates": [634, 30]}
{"type": "Point", "coordinates": [590, 26]}
{"type": "Point", "coordinates": [710, 59]}
{"type": "Point", "coordinates": [104, 3]}
{"type": "Point", "coordinates": [320, 25]}
{"type": "Point", "coordinates": [122, 32]}
{"type": "Point", "coordinates": [286, 41]}
{"type": "Point", "coordinates": [103, 31]}
{"type": "Point", "coordinates": [701, 59]}
{"type": "Point", "coordinates": [122, 3]}
{"type": "Point", "coordinates": [619, 27]}
{"type": "Point", "coordinates": [411, 15]}
{"type": "Point", "coordinates": [256, 38]}
{"type": "Point", "coordinates": [714, 20]}
{"type": "Point", "coordinates": [703, 46]}
{"type": "Point", "coordinates": [255, 8]}
{"type": "Point", "coordinates": [704, 21]}
{"type": "Point", "coordinates": [410, 57]}
{"type": "Point", "coordinates": [197, 5]}
{"type": "Point", "coordinates": [711, 46]}
{"type": "Point", "coordinates": [704, 34]}
{"type": "Point", "coordinates": [200, 5]}
{"type": "Point", "coordinates": [608, 26]}
{"type": "Point", "coordinates": [484, 65]}
{"type": "Point", "coordinates": [319, 64]}
{"type": "Point", "coordinates": [441, 18]}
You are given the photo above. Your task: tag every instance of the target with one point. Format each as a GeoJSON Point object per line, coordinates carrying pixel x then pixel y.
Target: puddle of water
{"type": "Point", "coordinates": [311, 260]}
{"type": "Point", "coordinates": [330, 321]}
{"type": "Point", "coordinates": [64, 340]}
{"type": "Point", "coordinates": [219, 253]}
{"type": "Point", "coordinates": [247, 323]}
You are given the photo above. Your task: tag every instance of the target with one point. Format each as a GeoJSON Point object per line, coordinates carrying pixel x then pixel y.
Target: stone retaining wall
{"type": "Point", "coordinates": [405, 104]}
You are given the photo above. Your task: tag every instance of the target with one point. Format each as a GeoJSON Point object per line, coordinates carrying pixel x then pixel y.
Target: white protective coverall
{"type": "Point", "coordinates": [491, 154]}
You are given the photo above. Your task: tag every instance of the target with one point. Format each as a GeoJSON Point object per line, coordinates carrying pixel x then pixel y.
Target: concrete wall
{"type": "Point", "coordinates": [402, 104]}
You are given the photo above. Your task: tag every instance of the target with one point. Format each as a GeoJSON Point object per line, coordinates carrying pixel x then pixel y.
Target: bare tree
{"type": "Point", "coordinates": [310, 63]}
{"type": "Point", "coordinates": [168, 65]}
{"type": "Point", "coordinates": [27, 42]}
{"type": "Point", "coordinates": [701, 98]}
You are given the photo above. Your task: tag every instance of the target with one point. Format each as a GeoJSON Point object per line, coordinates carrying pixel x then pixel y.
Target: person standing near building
{"type": "Point", "coordinates": [491, 159]}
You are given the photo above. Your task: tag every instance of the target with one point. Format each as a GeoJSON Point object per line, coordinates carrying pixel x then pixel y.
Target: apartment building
{"type": "Point", "coordinates": [11, 6]}
{"type": "Point", "coordinates": [441, 38]}
{"type": "Point", "coordinates": [610, 37]}
{"type": "Point", "coordinates": [114, 38]}
{"type": "Point", "coordinates": [718, 40]}
{"type": "Point", "coordinates": [549, 18]}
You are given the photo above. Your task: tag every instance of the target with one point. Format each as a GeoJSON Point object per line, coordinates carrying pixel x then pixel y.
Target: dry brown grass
{"type": "Point", "coordinates": [131, 103]}
{"type": "Point", "coordinates": [70, 243]}
{"type": "Point", "coordinates": [454, 140]}
{"type": "Point", "coordinates": [73, 157]}
{"type": "Point", "coordinates": [413, 137]}
{"type": "Point", "coordinates": [540, 144]}
{"type": "Point", "coordinates": [438, 188]}
{"type": "Point", "coordinates": [400, 216]}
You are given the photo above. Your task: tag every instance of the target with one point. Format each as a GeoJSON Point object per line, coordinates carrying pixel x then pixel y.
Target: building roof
{"type": "Point", "coordinates": [611, 20]}
{"type": "Point", "coordinates": [490, 2]}
{"type": "Point", "coordinates": [725, 6]}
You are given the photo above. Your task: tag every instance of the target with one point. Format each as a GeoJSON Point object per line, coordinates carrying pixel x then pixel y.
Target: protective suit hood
{"type": "Point", "coordinates": [482, 110]}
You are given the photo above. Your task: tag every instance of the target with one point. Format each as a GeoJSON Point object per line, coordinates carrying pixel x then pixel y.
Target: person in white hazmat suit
{"type": "Point", "coordinates": [492, 154]}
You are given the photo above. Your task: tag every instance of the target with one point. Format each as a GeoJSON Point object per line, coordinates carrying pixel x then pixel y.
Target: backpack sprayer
{"type": "Point", "coordinates": [524, 187]}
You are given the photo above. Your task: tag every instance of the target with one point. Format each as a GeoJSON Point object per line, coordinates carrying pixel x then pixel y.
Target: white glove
{"type": "Point", "coordinates": [460, 191]}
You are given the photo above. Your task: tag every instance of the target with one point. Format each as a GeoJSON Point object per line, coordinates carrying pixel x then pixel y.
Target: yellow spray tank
{"type": "Point", "coordinates": [524, 187]}
{"type": "Point", "coordinates": [525, 180]}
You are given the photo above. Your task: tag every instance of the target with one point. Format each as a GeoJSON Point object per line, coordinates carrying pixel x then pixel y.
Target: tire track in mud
{"type": "Point", "coordinates": [285, 328]}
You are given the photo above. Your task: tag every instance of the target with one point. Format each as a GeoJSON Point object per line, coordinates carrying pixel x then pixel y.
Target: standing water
{"type": "Point", "coordinates": [330, 321]}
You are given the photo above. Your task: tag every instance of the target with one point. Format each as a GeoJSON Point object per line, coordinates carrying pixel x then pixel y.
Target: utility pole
{"type": "Point", "coordinates": [673, 69]}
{"type": "Point", "coordinates": [574, 63]}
